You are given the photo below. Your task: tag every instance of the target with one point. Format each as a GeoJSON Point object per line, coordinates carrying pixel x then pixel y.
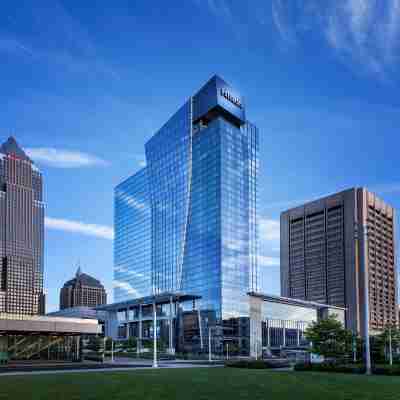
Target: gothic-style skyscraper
{"type": "Point", "coordinates": [82, 291]}
{"type": "Point", "coordinates": [21, 232]}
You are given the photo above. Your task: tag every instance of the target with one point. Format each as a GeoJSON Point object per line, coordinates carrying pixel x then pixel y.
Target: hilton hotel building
{"type": "Point", "coordinates": [327, 247]}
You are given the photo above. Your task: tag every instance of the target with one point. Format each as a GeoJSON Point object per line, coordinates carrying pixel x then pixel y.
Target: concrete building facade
{"type": "Point", "coordinates": [332, 246]}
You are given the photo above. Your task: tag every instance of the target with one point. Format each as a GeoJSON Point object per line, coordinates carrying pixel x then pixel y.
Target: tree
{"type": "Point", "coordinates": [329, 338]}
{"type": "Point", "coordinates": [95, 343]}
{"type": "Point", "coordinates": [131, 343]}
{"type": "Point", "coordinates": [386, 343]}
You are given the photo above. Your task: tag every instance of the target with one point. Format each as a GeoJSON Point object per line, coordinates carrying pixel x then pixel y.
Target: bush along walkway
{"type": "Point", "coordinates": [393, 370]}
{"type": "Point", "coordinates": [260, 364]}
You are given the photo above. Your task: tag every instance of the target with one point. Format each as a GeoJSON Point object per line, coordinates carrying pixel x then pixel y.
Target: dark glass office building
{"type": "Point", "coordinates": [187, 222]}
{"type": "Point", "coordinates": [21, 232]}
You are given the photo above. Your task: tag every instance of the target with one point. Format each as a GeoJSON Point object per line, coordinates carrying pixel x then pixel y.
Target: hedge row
{"type": "Point", "coordinates": [352, 369]}
{"type": "Point", "coordinates": [258, 364]}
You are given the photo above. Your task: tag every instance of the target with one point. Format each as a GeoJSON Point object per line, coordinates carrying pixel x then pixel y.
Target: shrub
{"type": "Point", "coordinates": [393, 370]}
{"type": "Point", "coordinates": [258, 364]}
{"type": "Point", "coordinates": [303, 367]}
{"type": "Point", "coordinates": [326, 367]}
{"type": "Point", "coordinates": [93, 357]}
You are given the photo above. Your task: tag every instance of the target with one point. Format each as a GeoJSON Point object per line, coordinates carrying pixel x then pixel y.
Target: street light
{"type": "Point", "coordinates": [155, 364]}
{"type": "Point", "coordinates": [366, 300]}
{"type": "Point", "coordinates": [210, 328]}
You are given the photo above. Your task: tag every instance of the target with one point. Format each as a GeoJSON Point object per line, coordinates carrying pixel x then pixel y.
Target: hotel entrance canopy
{"type": "Point", "coordinates": [162, 298]}
{"type": "Point", "coordinates": [11, 324]}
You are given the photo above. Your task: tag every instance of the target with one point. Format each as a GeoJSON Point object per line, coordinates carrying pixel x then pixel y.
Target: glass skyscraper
{"type": "Point", "coordinates": [187, 222]}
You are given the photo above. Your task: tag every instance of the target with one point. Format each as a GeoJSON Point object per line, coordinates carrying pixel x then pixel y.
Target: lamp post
{"type": "Point", "coordinates": [209, 344]}
{"type": "Point", "coordinates": [390, 347]}
{"type": "Point", "coordinates": [210, 328]}
{"type": "Point", "coordinates": [366, 301]}
{"type": "Point", "coordinates": [155, 364]}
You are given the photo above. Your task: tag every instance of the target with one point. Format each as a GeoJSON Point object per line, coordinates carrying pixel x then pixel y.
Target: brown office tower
{"type": "Point", "coordinates": [82, 291]}
{"type": "Point", "coordinates": [327, 247]}
{"type": "Point", "coordinates": [21, 232]}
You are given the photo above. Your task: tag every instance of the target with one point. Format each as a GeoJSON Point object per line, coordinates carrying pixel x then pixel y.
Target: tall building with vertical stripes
{"type": "Point", "coordinates": [332, 246]}
{"type": "Point", "coordinates": [21, 232]}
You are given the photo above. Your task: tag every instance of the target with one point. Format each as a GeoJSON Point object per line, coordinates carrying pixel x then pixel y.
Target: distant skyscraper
{"type": "Point", "coordinates": [21, 232]}
{"type": "Point", "coordinates": [329, 244]}
{"type": "Point", "coordinates": [187, 221]}
{"type": "Point", "coordinates": [83, 290]}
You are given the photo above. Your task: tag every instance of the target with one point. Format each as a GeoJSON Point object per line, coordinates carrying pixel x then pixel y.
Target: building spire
{"type": "Point", "coordinates": [79, 271]}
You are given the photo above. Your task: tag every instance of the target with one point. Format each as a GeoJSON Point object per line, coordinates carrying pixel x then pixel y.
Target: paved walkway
{"type": "Point", "coordinates": [110, 367]}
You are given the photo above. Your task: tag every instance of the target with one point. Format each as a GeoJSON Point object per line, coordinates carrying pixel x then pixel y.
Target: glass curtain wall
{"type": "Point", "coordinates": [132, 242]}
{"type": "Point", "coordinates": [168, 155]}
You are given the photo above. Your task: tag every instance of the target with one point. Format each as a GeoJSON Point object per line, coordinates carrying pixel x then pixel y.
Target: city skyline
{"type": "Point", "coordinates": [86, 126]}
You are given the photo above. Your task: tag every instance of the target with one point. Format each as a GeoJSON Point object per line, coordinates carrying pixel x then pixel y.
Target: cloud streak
{"type": "Point", "coordinates": [94, 230]}
{"type": "Point", "coordinates": [365, 33]}
{"type": "Point", "coordinates": [269, 237]}
{"type": "Point", "coordinates": [56, 38]}
{"type": "Point", "coordinates": [60, 158]}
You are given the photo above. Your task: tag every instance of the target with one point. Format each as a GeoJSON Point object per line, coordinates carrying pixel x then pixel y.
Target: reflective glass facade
{"type": "Point", "coordinates": [199, 233]}
{"type": "Point", "coordinates": [168, 155]}
{"type": "Point", "coordinates": [132, 242]}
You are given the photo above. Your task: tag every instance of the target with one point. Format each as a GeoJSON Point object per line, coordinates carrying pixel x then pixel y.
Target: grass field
{"type": "Point", "coordinates": [200, 383]}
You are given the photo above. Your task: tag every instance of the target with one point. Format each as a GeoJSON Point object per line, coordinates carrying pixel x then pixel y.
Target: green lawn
{"type": "Point", "coordinates": [200, 383]}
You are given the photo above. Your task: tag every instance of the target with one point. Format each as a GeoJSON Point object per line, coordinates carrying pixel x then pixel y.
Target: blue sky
{"type": "Point", "coordinates": [83, 88]}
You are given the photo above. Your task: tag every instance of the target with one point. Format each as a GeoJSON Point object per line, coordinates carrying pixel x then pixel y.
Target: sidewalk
{"type": "Point", "coordinates": [107, 366]}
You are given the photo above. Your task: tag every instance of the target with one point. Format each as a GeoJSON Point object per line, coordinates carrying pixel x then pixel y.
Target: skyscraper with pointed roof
{"type": "Point", "coordinates": [21, 232]}
{"type": "Point", "coordinates": [82, 291]}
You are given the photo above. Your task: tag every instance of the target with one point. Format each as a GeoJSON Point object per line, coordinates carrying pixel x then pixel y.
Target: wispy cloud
{"type": "Point", "coordinates": [280, 18]}
{"type": "Point", "coordinates": [13, 46]}
{"type": "Point", "coordinates": [224, 11]}
{"type": "Point", "coordinates": [100, 231]}
{"type": "Point", "coordinates": [55, 38]}
{"type": "Point", "coordinates": [269, 236]}
{"type": "Point", "coordinates": [363, 32]}
{"type": "Point", "coordinates": [60, 158]}
{"type": "Point", "coordinates": [219, 8]}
